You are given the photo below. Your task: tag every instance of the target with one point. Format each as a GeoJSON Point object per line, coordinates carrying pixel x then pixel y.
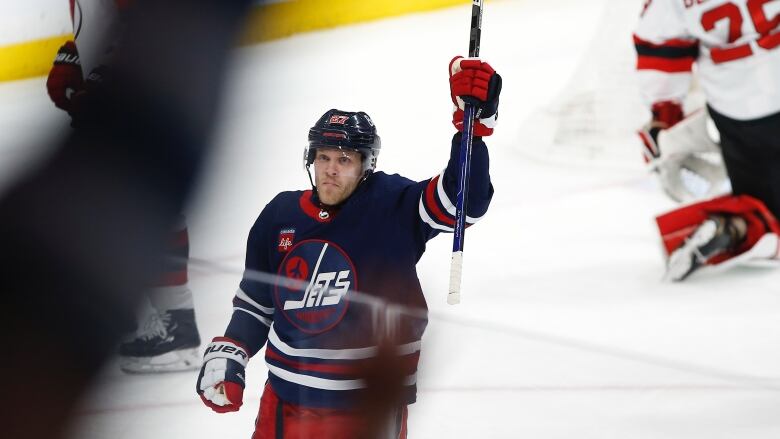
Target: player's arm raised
{"type": "Point", "coordinates": [476, 82]}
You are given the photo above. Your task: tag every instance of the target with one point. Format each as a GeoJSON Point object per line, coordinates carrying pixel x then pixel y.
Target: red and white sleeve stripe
{"type": "Point", "coordinates": [436, 208]}
{"type": "Point", "coordinates": [665, 52]}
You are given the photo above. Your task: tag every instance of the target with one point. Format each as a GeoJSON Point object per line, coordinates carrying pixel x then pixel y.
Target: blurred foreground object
{"type": "Point", "coordinates": [82, 235]}
{"type": "Point", "coordinates": [167, 337]}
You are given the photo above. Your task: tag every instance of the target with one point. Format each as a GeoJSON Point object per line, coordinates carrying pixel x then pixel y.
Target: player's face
{"type": "Point", "coordinates": [336, 174]}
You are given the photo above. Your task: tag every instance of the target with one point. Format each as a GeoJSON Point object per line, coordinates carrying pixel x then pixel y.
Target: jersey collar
{"type": "Point", "coordinates": [312, 207]}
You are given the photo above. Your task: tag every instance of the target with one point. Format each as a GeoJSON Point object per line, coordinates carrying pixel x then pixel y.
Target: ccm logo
{"type": "Point", "coordinates": [228, 349]}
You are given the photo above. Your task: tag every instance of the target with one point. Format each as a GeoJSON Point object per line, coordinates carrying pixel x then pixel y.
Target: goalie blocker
{"type": "Point", "coordinates": [687, 239]}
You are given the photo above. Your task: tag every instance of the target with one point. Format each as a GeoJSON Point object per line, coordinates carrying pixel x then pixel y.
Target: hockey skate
{"type": "Point", "coordinates": [168, 342]}
{"type": "Point", "coordinates": [713, 237]}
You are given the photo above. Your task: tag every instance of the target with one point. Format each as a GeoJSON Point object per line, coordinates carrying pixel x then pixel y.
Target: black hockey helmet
{"type": "Point", "coordinates": [354, 131]}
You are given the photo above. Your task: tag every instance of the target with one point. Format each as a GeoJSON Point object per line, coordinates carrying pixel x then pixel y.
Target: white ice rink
{"type": "Point", "coordinates": [565, 329]}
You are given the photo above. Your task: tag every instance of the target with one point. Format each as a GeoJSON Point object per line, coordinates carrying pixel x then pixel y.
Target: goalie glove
{"type": "Point", "coordinates": [690, 167]}
{"type": "Point", "coordinates": [475, 82]}
{"type": "Point", "coordinates": [221, 380]}
{"type": "Point", "coordinates": [666, 114]}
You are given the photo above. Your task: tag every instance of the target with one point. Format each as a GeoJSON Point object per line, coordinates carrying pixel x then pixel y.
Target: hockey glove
{"type": "Point", "coordinates": [85, 98]}
{"type": "Point", "coordinates": [65, 77]}
{"type": "Point", "coordinates": [475, 82]}
{"type": "Point", "coordinates": [665, 115]}
{"type": "Point", "coordinates": [221, 379]}
{"type": "Point", "coordinates": [691, 166]}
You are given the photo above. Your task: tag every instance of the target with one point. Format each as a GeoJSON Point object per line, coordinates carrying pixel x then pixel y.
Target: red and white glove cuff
{"type": "Point", "coordinates": [482, 127]}
{"type": "Point", "coordinates": [227, 397]}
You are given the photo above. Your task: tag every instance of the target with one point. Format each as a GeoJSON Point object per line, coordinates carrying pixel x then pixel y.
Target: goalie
{"type": "Point", "coordinates": [739, 69]}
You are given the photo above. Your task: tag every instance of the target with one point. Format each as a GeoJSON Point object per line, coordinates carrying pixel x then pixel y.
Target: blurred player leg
{"type": "Point", "coordinates": [751, 152]}
{"type": "Point", "coordinates": [168, 338]}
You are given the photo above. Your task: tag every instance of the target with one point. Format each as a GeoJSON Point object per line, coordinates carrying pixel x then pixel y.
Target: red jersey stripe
{"type": "Point", "coordinates": [669, 65]}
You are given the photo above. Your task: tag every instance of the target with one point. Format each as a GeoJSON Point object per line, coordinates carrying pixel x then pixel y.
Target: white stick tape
{"type": "Point", "coordinates": [453, 297]}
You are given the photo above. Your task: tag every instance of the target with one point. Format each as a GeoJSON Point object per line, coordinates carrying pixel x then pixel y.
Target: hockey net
{"type": "Point", "coordinates": [593, 121]}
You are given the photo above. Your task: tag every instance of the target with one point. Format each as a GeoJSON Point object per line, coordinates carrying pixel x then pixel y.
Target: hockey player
{"type": "Point", "coordinates": [734, 45]}
{"type": "Point", "coordinates": [168, 338]}
{"type": "Point", "coordinates": [356, 230]}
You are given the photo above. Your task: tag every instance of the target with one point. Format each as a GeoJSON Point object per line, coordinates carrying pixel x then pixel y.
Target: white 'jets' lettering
{"type": "Point", "coordinates": [321, 293]}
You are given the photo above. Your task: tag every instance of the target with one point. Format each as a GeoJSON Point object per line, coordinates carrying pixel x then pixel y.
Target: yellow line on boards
{"type": "Point", "coordinates": [28, 59]}
{"type": "Point", "coordinates": [266, 22]}
{"type": "Point", "coordinates": [278, 20]}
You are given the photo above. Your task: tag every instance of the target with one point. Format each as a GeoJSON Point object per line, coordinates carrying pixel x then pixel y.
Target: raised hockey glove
{"type": "Point", "coordinates": [65, 77]}
{"type": "Point", "coordinates": [475, 82]}
{"type": "Point", "coordinates": [221, 379]}
{"type": "Point", "coordinates": [665, 115]}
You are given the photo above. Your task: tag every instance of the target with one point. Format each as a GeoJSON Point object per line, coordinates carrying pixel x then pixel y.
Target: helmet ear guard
{"type": "Point", "coordinates": [345, 130]}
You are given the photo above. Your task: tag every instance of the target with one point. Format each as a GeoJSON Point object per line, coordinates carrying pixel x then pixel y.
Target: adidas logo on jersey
{"type": "Point", "coordinates": [321, 293]}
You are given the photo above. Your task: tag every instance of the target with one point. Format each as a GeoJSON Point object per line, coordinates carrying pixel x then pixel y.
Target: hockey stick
{"type": "Point", "coordinates": [456, 268]}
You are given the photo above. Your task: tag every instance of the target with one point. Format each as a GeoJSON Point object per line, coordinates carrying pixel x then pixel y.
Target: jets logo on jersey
{"type": "Point", "coordinates": [320, 300]}
{"type": "Point", "coordinates": [286, 237]}
{"type": "Point", "coordinates": [296, 268]}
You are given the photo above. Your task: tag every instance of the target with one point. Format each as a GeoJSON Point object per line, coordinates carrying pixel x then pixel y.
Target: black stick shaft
{"type": "Point", "coordinates": [464, 162]}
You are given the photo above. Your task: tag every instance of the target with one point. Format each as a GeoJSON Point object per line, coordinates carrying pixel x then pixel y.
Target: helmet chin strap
{"type": "Point", "coordinates": [308, 172]}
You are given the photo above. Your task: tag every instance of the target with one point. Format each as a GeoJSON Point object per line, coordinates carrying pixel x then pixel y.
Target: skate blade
{"type": "Point", "coordinates": [177, 361]}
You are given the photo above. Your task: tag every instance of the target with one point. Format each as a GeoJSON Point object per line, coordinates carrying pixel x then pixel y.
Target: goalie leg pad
{"type": "Point", "coordinates": [678, 225]}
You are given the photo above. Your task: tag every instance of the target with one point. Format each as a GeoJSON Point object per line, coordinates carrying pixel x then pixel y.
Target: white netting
{"type": "Point", "coordinates": [594, 119]}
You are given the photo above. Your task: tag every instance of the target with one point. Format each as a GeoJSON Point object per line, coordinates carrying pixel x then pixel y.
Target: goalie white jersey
{"type": "Point", "coordinates": [733, 42]}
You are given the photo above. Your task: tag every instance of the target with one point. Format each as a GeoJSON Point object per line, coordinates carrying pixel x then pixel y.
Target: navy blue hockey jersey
{"type": "Point", "coordinates": [318, 332]}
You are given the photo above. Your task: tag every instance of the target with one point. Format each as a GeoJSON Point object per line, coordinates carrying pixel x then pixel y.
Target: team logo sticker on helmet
{"type": "Point", "coordinates": [320, 301]}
